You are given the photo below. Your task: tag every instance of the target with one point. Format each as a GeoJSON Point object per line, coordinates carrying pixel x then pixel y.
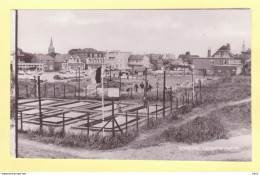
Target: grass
{"type": "Point", "coordinates": [227, 89]}
{"type": "Point", "coordinates": [199, 130]}
{"type": "Point", "coordinates": [81, 140]}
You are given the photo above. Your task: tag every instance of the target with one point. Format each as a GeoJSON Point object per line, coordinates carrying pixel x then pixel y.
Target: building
{"type": "Point", "coordinates": [168, 58]}
{"type": "Point", "coordinates": [29, 66]}
{"type": "Point", "coordinates": [46, 60]}
{"type": "Point", "coordinates": [91, 57]}
{"type": "Point", "coordinates": [223, 56]}
{"type": "Point", "coordinates": [138, 61]}
{"type": "Point", "coordinates": [227, 70]}
{"type": "Point", "coordinates": [60, 62]}
{"type": "Point", "coordinates": [118, 59]}
{"type": "Point", "coordinates": [156, 61]}
{"type": "Point", "coordinates": [73, 63]}
{"type": "Point", "coordinates": [187, 58]}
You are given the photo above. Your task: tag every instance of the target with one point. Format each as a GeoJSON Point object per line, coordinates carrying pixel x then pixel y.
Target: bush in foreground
{"type": "Point", "coordinates": [196, 131]}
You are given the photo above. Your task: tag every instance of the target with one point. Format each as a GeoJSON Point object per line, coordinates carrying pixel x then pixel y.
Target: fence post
{"type": "Point", "coordinates": [21, 114]}
{"type": "Point", "coordinates": [126, 120]}
{"type": "Point", "coordinates": [177, 103]}
{"type": "Point", "coordinates": [54, 91]}
{"type": "Point", "coordinates": [148, 117]}
{"type": "Point", "coordinates": [131, 92]}
{"type": "Point", "coordinates": [63, 123]}
{"type": "Point", "coordinates": [27, 94]}
{"type": "Point", "coordinates": [156, 111]}
{"type": "Point", "coordinates": [40, 105]}
{"type": "Point", "coordinates": [183, 100]}
{"type": "Point", "coordinates": [88, 124]}
{"type": "Point", "coordinates": [64, 91]}
{"type": "Point", "coordinates": [75, 89]}
{"type": "Point", "coordinates": [113, 120]}
{"type": "Point", "coordinates": [137, 120]}
{"type": "Point", "coordinates": [188, 99]}
{"type": "Point", "coordinates": [45, 89]}
{"type": "Point", "coordinates": [196, 98]}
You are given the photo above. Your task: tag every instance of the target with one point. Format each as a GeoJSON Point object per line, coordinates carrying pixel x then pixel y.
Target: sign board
{"type": "Point", "coordinates": [113, 92]}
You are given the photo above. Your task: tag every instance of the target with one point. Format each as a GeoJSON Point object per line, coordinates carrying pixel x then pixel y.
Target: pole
{"type": "Point", "coordinates": [200, 93]}
{"type": "Point", "coordinates": [164, 82]}
{"type": "Point", "coordinates": [110, 73]}
{"type": "Point", "coordinates": [131, 92]}
{"type": "Point", "coordinates": [171, 98]}
{"type": "Point", "coordinates": [126, 120]}
{"type": "Point", "coordinates": [79, 85]}
{"type": "Point", "coordinates": [192, 86]}
{"type": "Point", "coordinates": [45, 89]}
{"type": "Point", "coordinates": [64, 91]}
{"type": "Point", "coordinates": [103, 113]}
{"type": "Point", "coordinates": [54, 90]}
{"type": "Point", "coordinates": [40, 106]}
{"type": "Point", "coordinates": [156, 111]}
{"type": "Point", "coordinates": [148, 116]}
{"type": "Point", "coordinates": [157, 97]}
{"type": "Point", "coordinates": [88, 124]}
{"type": "Point", "coordinates": [113, 116]}
{"type": "Point", "coordinates": [137, 118]}
{"type": "Point", "coordinates": [120, 81]}
{"type": "Point", "coordinates": [27, 94]}
{"type": "Point", "coordinates": [21, 115]}
{"type": "Point", "coordinates": [63, 123]}
{"type": "Point", "coordinates": [16, 84]}
{"type": "Point", "coordinates": [132, 73]}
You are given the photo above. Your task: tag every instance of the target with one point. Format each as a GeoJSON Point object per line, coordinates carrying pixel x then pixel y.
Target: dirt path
{"type": "Point", "coordinates": [232, 149]}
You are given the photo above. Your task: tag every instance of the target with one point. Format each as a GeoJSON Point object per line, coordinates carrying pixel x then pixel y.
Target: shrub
{"type": "Point", "coordinates": [196, 131]}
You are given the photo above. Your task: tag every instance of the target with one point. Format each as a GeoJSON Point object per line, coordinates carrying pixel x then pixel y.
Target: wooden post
{"type": "Point", "coordinates": [64, 91]}
{"type": "Point", "coordinates": [183, 100]}
{"type": "Point", "coordinates": [63, 123]}
{"type": "Point", "coordinates": [200, 93]}
{"type": "Point", "coordinates": [96, 91]}
{"type": "Point", "coordinates": [177, 103]}
{"type": "Point", "coordinates": [45, 89]}
{"type": "Point", "coordinates": [188, 99]}
{"type": "Point", "coordinates": [21, 115]}
{"type": "Point", "coordinates": [156, 111]}
{"type": "Point", "coordinates": [171, 98]}
{"type": "Point", "coordinates": [131, 92]}
{"type": "Point", "coordinates": [54, 90]}
{"type": "Point", "coordinates": [126, 120]}
{"type": "Point", "coordinates": [113, 116]}
{"type": "Point", "coordinates": [88, 124]}
{"type": "Point", "coordinates": [148, 116]}
{"type": "Point", "coordinates": [164, 83]}
{"type": "Point", "coordinates": [157, 94]}
{"type": "Point", "coordinates": [79, 85]}
{"type": "Point", "coordinates": [120, 81]}
{"type": "Point", "coordinates": [75, 91]}
{"type": "Point", "coordinates": [137, 118]}
{"type": "Point", "coordinates": [40, 105]}
{"type": "Point", "coordinates": [27, 94]}
{"type": "Point", "coordinates": [196, 98]}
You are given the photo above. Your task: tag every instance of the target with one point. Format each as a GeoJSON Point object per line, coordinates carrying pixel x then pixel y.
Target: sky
{"type": "Point", "coordinates": [138, 31]}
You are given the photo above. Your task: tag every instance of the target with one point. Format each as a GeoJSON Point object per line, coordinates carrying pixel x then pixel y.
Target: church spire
{"type": "Point", "coordinates": [51, 45]}
{"type": "Point", "coordinates": [51, 49]}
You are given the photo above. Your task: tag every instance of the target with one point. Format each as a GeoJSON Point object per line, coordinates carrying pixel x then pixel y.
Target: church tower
{"type": "Point", "coordinates": [51, 49]}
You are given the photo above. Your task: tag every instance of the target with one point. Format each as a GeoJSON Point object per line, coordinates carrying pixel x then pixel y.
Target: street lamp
{"type": "Point", "coordinates": [157, 85]}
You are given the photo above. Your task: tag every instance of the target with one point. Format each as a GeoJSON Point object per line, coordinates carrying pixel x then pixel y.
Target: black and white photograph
{"type": "Point", "coordinates": [172, 84]}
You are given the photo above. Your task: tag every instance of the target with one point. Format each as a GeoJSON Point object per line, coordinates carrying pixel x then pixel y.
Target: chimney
{"type": "Point", "coordinates": [209, 52]}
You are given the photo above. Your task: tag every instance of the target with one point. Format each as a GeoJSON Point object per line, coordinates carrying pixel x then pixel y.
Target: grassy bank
{"type": "Point", "coordinates": [80, 140]}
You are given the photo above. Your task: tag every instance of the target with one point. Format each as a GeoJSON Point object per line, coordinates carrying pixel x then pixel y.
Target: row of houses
{"type": "Point", "coordinates": [223, 61]}
{"type": "Point", "coordinates": [90, 58]}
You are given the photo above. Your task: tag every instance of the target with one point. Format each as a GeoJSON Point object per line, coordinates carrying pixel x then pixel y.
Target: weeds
{"type": "Point", "coordinates": [196, 131]}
